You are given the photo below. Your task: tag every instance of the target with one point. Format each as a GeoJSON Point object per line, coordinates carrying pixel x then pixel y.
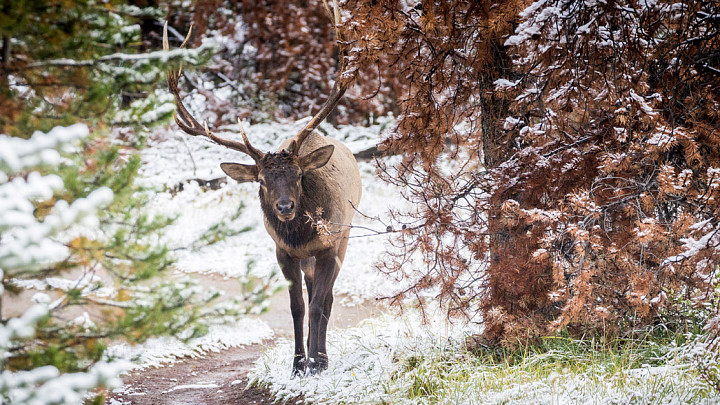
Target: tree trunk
{"type": "Point", "coordinates": [494, 109]}
{"type": "Point", "coordinates": [6, 55]}
{"type": "Point", "coordinates": [516, 286]}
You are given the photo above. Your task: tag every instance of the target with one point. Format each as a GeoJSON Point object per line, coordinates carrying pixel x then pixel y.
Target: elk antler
{"type": "Point", "coordinates": [338, 88]}
{"type": "Point", "coordinates": [190, 125]}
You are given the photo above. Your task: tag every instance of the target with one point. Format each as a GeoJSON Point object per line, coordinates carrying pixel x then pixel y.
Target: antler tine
{"type": "Point", "coordinates": [252, 151]}
{"type": "Point", "coordinates": [338, 89]}
{"type": "Point", "coordinates": [189, 124]}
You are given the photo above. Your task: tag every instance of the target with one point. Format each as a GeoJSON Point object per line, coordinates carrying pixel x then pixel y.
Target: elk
{"type": "Point", "coordinates": [310, 173]}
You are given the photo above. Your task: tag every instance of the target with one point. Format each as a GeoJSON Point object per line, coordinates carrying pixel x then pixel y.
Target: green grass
{"type": "Point", "coordinates": [650, 368]}
{"type": "Point", "coordinates": [398, 361]}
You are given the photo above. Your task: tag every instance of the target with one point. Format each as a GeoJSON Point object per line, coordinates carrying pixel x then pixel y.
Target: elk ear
{"type": "Point", "coordinates": [317, 158]}
{"type": "Point", "coordinates": [240, 173]}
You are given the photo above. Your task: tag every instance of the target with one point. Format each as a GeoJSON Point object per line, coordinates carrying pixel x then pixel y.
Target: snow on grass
{"type": "Point", "coordinates": [363, 361]}
{"type": "Point", "coordinates": [162, 351]}
{"type": "Point", "coordinates": [396, 360]}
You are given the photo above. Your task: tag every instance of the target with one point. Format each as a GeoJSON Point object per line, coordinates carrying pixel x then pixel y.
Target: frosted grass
{"type": "Point", "coordinates": [394, 360]}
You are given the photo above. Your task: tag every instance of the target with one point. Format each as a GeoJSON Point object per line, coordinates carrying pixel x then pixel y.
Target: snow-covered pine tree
{"type": "Point", "coordinates": [28, 247]}
{"type": "Point", "coordinates": [53, 342]}
{"type": "Point", "coordinates": [62, 63]}
{"type": "Point", "coordinates": [65, 61]}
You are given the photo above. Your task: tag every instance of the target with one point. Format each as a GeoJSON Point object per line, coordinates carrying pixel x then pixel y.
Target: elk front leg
{"type": "Point", "coordinates": [325, 272]}
{"type": "Point", "coordinates": [322, 335]}
{"type": "Point", "coordinates": [308, 268]}
{"type": "Point", "coordinates": [291, 270]}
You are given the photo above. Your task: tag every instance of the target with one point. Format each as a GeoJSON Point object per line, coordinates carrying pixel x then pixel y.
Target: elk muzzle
{"type": "Point", "coordinates": [285, 209]}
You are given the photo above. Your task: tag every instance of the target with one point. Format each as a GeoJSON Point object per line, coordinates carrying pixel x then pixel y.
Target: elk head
{"type": "Point", "coordinates": [279, 174]}
{"type": "Point", "coordinates": [280, 177]}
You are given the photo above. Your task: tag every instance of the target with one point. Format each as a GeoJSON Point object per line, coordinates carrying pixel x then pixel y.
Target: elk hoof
{"type": "Point", "coordinates": [317, 366]}
{"type": "Point", "coordinates": [299, 366]}
{"type": "Point", "coordinates": [312, 367]}
{"type": "Point", "coordinates": [322, 363]}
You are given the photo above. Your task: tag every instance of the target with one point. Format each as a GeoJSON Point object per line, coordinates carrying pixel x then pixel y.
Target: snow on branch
{"type": "Point", "coordinates": [45, 385]}
{"type": "Point", "coordinates": [26, 240]}
{"type": "Point", "coordinates": [162, 56]}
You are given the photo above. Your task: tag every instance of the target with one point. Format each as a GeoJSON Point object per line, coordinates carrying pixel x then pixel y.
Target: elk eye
{"type": "Point", "coordinates": [262, 182]}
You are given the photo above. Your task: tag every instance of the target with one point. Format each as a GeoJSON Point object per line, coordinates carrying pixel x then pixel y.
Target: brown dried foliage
{"type": "Point", "coordinates": [287, 60]}
{"type": "Point", "coordinates": [446, 54]}
{"type": "Point", "coordinates": [623, 166]}
{"type": "Point", "coordinates": [599, 208]}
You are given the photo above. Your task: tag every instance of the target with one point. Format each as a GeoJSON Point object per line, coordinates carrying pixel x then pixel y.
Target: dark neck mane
{"type": "Point", "coordinates": [299, 231]}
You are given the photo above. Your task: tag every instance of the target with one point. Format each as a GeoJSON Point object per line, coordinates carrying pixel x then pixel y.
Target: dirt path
{"type": "Point", "coordinates": [221, 378]}
{"type": "Point", "coordinates": [217, 378]}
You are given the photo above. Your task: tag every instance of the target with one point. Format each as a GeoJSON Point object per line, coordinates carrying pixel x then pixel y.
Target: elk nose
{"type": "Point", "coordinates": [285, 206]}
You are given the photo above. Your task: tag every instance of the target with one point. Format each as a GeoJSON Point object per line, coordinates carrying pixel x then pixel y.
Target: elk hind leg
{"type": "Point", "coordinates": [321, 288]}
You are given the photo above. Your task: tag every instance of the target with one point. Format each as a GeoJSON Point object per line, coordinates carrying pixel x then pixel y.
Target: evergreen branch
{"type": "Point", "coordinates": [161, 55]}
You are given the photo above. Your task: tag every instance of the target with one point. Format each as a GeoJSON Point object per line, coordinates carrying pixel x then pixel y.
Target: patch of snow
{"type": "Point", "coordinates": [162, 351]}
{"type": "Point", "coordinates": [199, 386]}
{"type": "Point", "coordinates": [505, 85]}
